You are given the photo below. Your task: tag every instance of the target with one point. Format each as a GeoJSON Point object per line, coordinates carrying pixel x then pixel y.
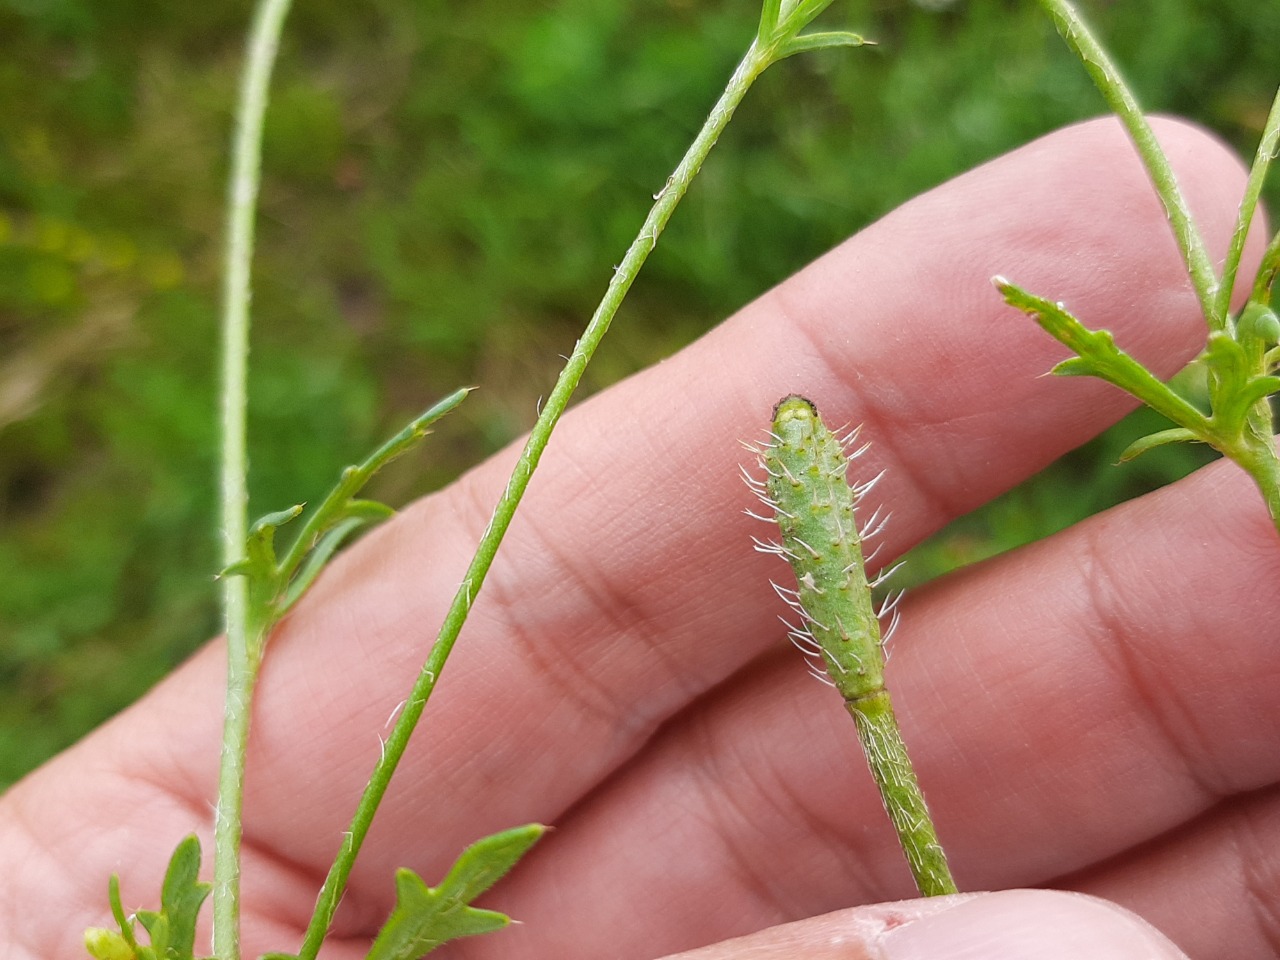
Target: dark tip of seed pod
{"type": "Point", "coordinates": [794, 396]}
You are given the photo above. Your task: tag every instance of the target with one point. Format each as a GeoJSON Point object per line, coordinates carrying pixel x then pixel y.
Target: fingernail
{"type": "Point", "coordinates": [1029, 925]}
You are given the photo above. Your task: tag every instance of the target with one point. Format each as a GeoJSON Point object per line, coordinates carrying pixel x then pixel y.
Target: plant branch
{"type": "Point", "coordinates": [339, 508]}
{"type": "Point", "coordinates": [1098, 356]}
{"type": "Point", "coordinates": [1267, 149]}
{"type": "Point", "coordinates": [242, 664]}
{"type": "Point", "coordinates": [1121, 100]}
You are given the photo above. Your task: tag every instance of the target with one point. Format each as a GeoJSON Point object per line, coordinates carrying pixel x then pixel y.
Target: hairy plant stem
{"type": "Point", "coordinates": [757, 59]}
{"type": "Point", "coordinates": [1268, 146]}
{"type": "Point", "coordinates": [1114, 90]}
{"type": "Point", "coordinates": [244, 643]}
{"type": "Point", "coordinates": [900, 790]}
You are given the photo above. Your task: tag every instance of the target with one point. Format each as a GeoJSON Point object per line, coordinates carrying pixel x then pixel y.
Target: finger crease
{"type": "Point", "coordinates": [1174, 723]}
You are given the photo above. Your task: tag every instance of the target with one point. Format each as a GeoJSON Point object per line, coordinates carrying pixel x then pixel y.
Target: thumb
{"type": "Point", "coordinates": [1009, 925]}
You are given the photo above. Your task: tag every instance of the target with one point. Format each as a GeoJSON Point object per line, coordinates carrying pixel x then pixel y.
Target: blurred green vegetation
{"type": "Point", "coordinates": [446, 188]}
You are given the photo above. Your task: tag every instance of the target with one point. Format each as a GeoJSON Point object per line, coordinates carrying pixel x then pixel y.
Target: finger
{"type": "Point", "coordinates": [1065, 704]}
{"type": "Point", "coordinates": [624, 592]}
{"type": "Point", "coordinates": [602, 620]}
{"type": "Point", "coordinates": [1212, 887]}
{"type": "Point", "coordinates": [1011, 925]}
{"type": "Point", "coordinates": [618, 603]}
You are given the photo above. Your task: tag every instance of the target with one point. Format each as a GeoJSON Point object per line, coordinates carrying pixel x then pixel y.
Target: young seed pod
{"type": "Point", "coordinates": [806, 481]}
{"type": "Point", "coordinates": [814, 505]}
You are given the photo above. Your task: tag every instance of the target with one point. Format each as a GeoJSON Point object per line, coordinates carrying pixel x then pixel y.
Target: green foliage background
{"type": "Point", "coordinates": [446, 189]}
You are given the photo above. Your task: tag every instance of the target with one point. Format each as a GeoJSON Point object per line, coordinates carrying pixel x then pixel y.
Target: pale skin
{"type": "Point", "coordinates": [1097, 712]}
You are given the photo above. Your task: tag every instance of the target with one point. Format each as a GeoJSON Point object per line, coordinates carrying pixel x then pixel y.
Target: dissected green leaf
{"type": "Point", "coordinates": [157, 927]}
{"type": "Point", "coordinates": [117, 911]}
{"type": "Point", "coordinates": [768, 20]}
{"type": "Point", "coordinates": [181, 897]}
{"type": "Point", "coordinates": [1075, 367]}
{"type": "Point", "coordinates": [171, 929]}
{"type": "Point", "coordinates": [1152, 440]}
{"type": "Point", "coordinates": [1259, 387]}
{"type": "Point", "coordinates": [426, 917]}
{"type": "Point", "coordinates": [243, 568]}
{"type": "Point", "coordinates": [1097, 355]}
{"type": "Point", "coordinates": [367, 510]}
{"type": "Point", "coordinates": [1233, 386]}
{"type": "Point", "coordinates": [275, 585]}
{"type": "Point", "coordinates": [259, 563]}
{"type": "Point", "coordinates": [1267, 271]}
{"type": "Point", "coordinates": [1232, 409]}
{"type": "Point", "coordinates": [317, 540]}
{"type": "Point", "coordinates": [260, 546]}
{"type": "Point", "coordinates": [800, 14]}
{"type": "Point", "coordinates": [487, 861]}
{"type": "Point", "coordinates": [820, 41]}
{"type": "Point", "coordinates": [318, 558]}
{"type": "Point", "coordinates": [268, 523]}
{"type": "Point", "coordinates": [1226, 358]}
{"type": "Point", "coordinates": [438, 409]}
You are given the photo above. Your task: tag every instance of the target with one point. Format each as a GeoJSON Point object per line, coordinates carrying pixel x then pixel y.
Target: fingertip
{"type": "Point", "coordinates": [1006, 925]}
{"type": "Point", "coordinates": [854, 934]}
{"type": "Point", "coordinates": [1029, 925]}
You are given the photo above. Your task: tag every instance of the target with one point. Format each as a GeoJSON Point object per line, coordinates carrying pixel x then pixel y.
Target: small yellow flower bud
{"type": "Point", "coordinates": [104, 944]}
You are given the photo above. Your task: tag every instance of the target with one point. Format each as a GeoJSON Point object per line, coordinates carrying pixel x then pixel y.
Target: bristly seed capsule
{"type": "Point", "coordinates": [806, 484]}
{"type": "Point", "coordinates": [806, 488]}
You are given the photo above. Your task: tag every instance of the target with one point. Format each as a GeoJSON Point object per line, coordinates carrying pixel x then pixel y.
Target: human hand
{"type": "Point", "coordinates": [1096, 711]}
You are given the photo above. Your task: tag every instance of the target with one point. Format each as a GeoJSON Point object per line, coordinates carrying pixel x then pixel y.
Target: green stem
{"type": "Point", "coordinates": [749, 69]}
{"type": "Point", "coordinates": [1259, 458]}
{"type": "Point", "coordinates": [896, 778]}
{"type": "Point", "coordinates": [242, 660]}
{"type": "Point", "coordinates": [1267, 272]}
{"type": "Point", "coordinates": [1122, 102]}
{"type": "Point", "coordinates": [1267, 148]}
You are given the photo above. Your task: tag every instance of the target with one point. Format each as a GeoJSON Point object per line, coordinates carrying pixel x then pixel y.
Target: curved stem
{"type": "Point", "coordinates": [243, 649]}
{"type": "Point", "coordinates": [751, 66]}
{"type": "Point", "coordinates": [1267, 149]}
{"type": "Point", "coordinates": [1121, 100]}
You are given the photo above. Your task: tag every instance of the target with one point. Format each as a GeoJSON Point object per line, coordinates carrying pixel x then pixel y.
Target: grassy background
{"type": "Point", "coordinates": [446, 188]}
